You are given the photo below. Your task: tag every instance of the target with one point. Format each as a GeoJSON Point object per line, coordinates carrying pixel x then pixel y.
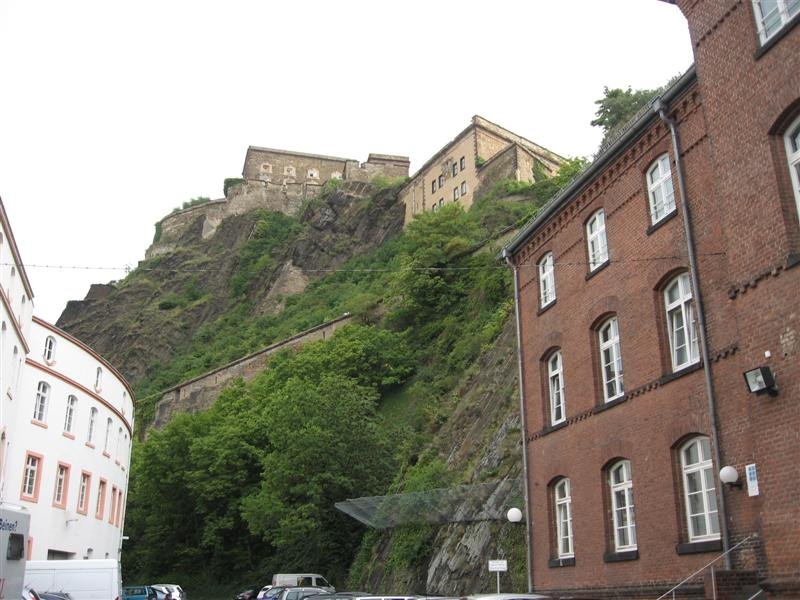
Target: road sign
{"type": "Point", "coordinates": [498, 565]}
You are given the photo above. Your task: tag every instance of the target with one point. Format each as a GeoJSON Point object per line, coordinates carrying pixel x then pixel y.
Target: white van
{"type": "Point", "coordinates": [14, 524]}
{"type": "Point", "coordinates": [93, 579]}
{"type": "Point", "coordinates": [301, 579]}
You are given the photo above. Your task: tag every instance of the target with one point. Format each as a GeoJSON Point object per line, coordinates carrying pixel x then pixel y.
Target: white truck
{"type": "Point", "coordinates": [92, 579]}
{"type": "Point", "coordinates": [14, 526]}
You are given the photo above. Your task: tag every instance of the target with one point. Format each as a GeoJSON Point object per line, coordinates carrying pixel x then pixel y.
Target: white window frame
{"type": "Point", "coordinates": [40, 407]}
{"type": "Point", "coordinates": [60, 488]}
{"type": "Point", "coordinates": [555, 383]}
{"type": "Point", "coordinates": [109, 424]}
{"type": "Point", "coordinates": [463, 188]}
{"type": "Point", "coordinates": [49, 349]}
{"type": "Point", "coordinates": [785, 11]}
{"type": "Point", "coordinates": [681, 325]}
{"type": "Point", "coordinates": [792, 142]}
{"type": "Point", "coordinates": [455, 168]}
{"type": "Point", "coordinates": [83, 489]}
{"type": "Point", "coordinates": [596, 241]}
{"type": "Point", "coordinates": [69, 416]}
{"type": "Point", "coordinates": [547, 280]}
{"type": "Point", "coordinates": [611, 359]}
{"type": "Point", "coordinates": [620, 483]}
{"type": "Point", "coordinates": [30, 476]}
{"type": "Point", "coordinates": [462, 163]}
{"type": "Point", "coordinates": [98, 380]}
{"type": "Point", "coordinates": [92, 421]}
{"type": "Point", "coordinates": [563, 505]}
{"type": "Point", "coordinates": [433, 185]}
{"type": "Point", "coordinates": [660, 189]}
{"type": "Point", "coordinates": [456, 194]}
{"type": "Point", "coordinates": [702, 473]}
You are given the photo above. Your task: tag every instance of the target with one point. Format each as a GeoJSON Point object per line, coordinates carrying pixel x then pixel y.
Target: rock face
{"type": "Point", "coordinates": [139, 321]}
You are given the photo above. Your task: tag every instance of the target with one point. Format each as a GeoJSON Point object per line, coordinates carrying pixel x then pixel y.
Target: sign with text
{"type": "Point", "coordinates": [498, 565]}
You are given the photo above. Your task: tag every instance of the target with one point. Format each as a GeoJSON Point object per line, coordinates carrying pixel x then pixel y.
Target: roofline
{"type": "Point", "coordinates": [634, 131]}
{"type": "Point", "coordinates": [83, 346]}
{"type": "Point", "coordinates": [15, 250]}
{"type": "Point", "coordinates": [290, 152]}
{"type": "Point", "coordinates": [531, 142]}
{"type": "Point", "coordinates": [439, 153]}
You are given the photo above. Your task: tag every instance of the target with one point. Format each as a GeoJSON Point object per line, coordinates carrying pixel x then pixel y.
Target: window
{"type": "Point", "coordinates": [83, 492]}
{"type": "Point", "coordinates": [92, 420]}
{"type": "Point", "coordinates": [313, 174]}
{"type": "Point", "coordinates": [40, 408]}
{"type": "Point", "coordinates": [455, 169]}
{"type": "Point", "coordinates": [68, 417]}
{"type": "Point", "coordinates": [108, 435]}
{"type": "Point", "coordinates": [101, 499]}
{"type": "Point", "coordinates": [611, 359]}
{"type": "Point", "coordinates": [289, 170]}
{"type": "Point", "coordinates": [463, 188]}
{"type": "Point", "coordinates": [547, 280]}
{"type": "Point", "coordinates": [555, 378]}
{"type": "Point", "coordinates": [441, 181]}
{"type": "Point", "coordinates": [621, 485]}
{"type": "Point", "coordinates": [680, 322]}
{"type": "Point", "coordinates": [659, 187]}
{"type": "Point", "coordinates": [61, 487]}
{"type": "Point", "coordinates": [266, 168]}
{"type": "Point", "coordinates": [596, 240]}
{"type": "Point", "coordinates": [563, 504]}
{"type": "Point", "coordinates": [772, 15]}
{"type": "Point", "coordinates": [119, 440]}
{"type": "Point", "coordinates": [792, 139]}
{"type": "Point", "coordinates": [455, 194]}
{"type": "Point", "coordinates": [441, 202]}
{"type": "Point", "coordinates": [98, 379]}
{"type": "Point", "coordinates": [463, 163]}
{"type": "Point", "coordinates": [49, 349]}
{"type": "Point", "coordinates": [31, 477]}
{"type": "Point", "coordinates": [113, 511]}
{"type": "Point", "coordinates": [699, 490]}
{"type": "Point", "coordinates": [433, 186]}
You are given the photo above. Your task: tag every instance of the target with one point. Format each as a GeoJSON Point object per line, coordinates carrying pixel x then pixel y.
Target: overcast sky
{"type": "Point", "coordinates": [113, 112]}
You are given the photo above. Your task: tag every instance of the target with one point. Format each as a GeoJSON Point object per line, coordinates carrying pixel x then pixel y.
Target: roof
{"type": "Point", "coordinates": [14, 250]}
{"type": "Point", "coordinates": [635, 128]}
{"type": "Point", "coordinates": [290, 153]}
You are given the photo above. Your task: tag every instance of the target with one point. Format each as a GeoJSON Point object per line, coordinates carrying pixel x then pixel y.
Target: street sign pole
{"type": "Point", "coordinates": [498, 566]}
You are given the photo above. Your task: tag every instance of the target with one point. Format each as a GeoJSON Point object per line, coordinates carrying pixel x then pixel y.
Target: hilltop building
{"type": "Point", "coordinates": [645, 291]}
{"type": "Point", "coordinates": [481, 154]}
{"type": "Point", "coordinates": [66, 418]}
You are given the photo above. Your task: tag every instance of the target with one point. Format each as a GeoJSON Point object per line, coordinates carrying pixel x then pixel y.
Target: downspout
{"type": "Point", "coordinates": [528, 525]}
{"type": "Point", "coordinates": [661, 109]}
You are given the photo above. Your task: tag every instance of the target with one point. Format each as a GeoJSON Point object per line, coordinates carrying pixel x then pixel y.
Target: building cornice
{"type": "Point", "coordinates": [88, 350]}
{"type": "Point", "coordinates": [13, 319]}
{"type": "Point", "coordinates": [83, 388]}
{"type": "Point", "coordinates": [14, 250]}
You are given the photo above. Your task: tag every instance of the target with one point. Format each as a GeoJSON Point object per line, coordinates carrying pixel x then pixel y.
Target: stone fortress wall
{"type": "Point", "coordinates": [200, 393]}
{"type": "Point", "coordinates": [277, 180]}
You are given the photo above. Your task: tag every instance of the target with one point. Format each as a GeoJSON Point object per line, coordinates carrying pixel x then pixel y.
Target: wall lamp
{"type": "Point", "coordinates": [514, 515]}
{"type": "Point", "coordinates": [761, 380]}
{"type": "Point", "coordinates": [730, 477]}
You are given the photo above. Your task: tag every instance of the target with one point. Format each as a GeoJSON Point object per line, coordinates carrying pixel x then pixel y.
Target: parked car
{"type": "Point", "coordinates": [507, 597]}
{"type": "Point", "coordinates": [28, 593]}
{"type": "Point", "coordinates": [298, 593]}
{"type": "Point", "coordinates": [248, 594]}
{"type": "Point", "coordinates": [138, 592]}
{"type": "Point", "coordinates": [273, 591]}
{"type": "Point", "coordinates": [55, 596]}
{"type": "Point", "coordinates": [176, 590]}
{"type": "Point", "coordinates": [302, 579]}
{"type": "Point", "coordinates": [263, 591]}
{"type": "Point", "coordinates": [162, 593]}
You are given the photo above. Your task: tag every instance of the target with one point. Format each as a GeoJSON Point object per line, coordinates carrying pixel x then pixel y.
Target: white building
{"type": "Point", "coordinates": [66, 423]}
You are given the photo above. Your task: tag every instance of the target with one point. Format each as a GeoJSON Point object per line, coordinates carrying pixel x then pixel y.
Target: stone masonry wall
{"type": "Point", "coordinates": [200, 393]}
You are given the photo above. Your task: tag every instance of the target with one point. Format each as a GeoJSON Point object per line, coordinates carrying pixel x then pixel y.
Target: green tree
{"type": "Point", "coordinates": [617, 107]}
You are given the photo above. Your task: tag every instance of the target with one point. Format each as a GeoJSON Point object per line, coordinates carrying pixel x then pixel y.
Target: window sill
{"type": "Point", "coordinates": [610, 404]}
{"type": "Point", "coordinates": [561, 562]}
{"type": "Point", "coordinates": [90, 445]}
{"type": "Point", "coordinates": [38, 423]}
{"type": "Point", "coordinates": [699, 547]}
{"type": "Point", "coordinates": [664, 220]}
{"type": "Point", "coordinates": [546, 307]}
{"type": "Point", "coordinates": [106, 454]}
{"type": "Point", "coordinates": [33, 499]}
{"type": "Point", "coordinates": [597, 269]}
{"type": "Point", "coordinates": [552, 428]}
{"type": "Point", "coordinates": [82, 512]}
{"type": "Point", "coordinates": [680, 373]}
{"type": "Point", "coordinates": [787, 27]}
{"type": "Point", "coordinates": [68, 435]}
{"type": "Point", "coordinates": [611, 557]}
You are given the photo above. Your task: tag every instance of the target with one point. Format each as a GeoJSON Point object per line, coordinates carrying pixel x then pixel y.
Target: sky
{"type": "Point", "coordinates": [112, 113]}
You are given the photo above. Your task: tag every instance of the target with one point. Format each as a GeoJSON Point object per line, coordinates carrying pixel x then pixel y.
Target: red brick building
{"type": "Point", "coordinates": [645, 291]}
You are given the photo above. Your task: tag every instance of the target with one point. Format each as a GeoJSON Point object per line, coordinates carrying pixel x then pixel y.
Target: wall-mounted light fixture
{"type": "Point", "coordinates": [730, 477]}
{"type": "Point", "coordinates": [761, 380]}
{"type": "Point", "coordinates": [514, 515]}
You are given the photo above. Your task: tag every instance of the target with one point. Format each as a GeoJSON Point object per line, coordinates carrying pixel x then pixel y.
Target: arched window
{"type": "Point", "coordinates": [597, 244]}
{"type": "Point", "coordinates": [621, 487]}
{"type": "Point", "coordinates": [92, 421]}
{"type": "Point", "coordinates": [699, 490]}
{"type": "Point", "coordinates": [792, 140]}
{"type": "Point", "coordinates": [108, 435]}
{"type": "Point", "coordinates": [70, 414]}
{"type": "Point", "coordinates": [563, 516]}
{"type": "Point", "coordinates": [659, 187]}
{"type": "Point", "coordinates": [40, 408]}
{"type": "Point", "coordinates": [49, 349]}
{"type": "Point", "coordinates": [555, 379]}
{"type": "Point", "coordinates": [611, 359]}
{"type": "Point", "coordinates": [98, 379]}
{"type": "Point", "coordinates": [119, 441]}
{"type": "Point", "coordinates": [547, 280]}
{"type": "Point", "coordinates": [682, 329]}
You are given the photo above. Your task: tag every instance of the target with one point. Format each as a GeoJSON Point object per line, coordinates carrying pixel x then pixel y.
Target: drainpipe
{"type": "Point", "coordinates": [660, 108]}
{"type": "Point", "coordinates": [528, 525]}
